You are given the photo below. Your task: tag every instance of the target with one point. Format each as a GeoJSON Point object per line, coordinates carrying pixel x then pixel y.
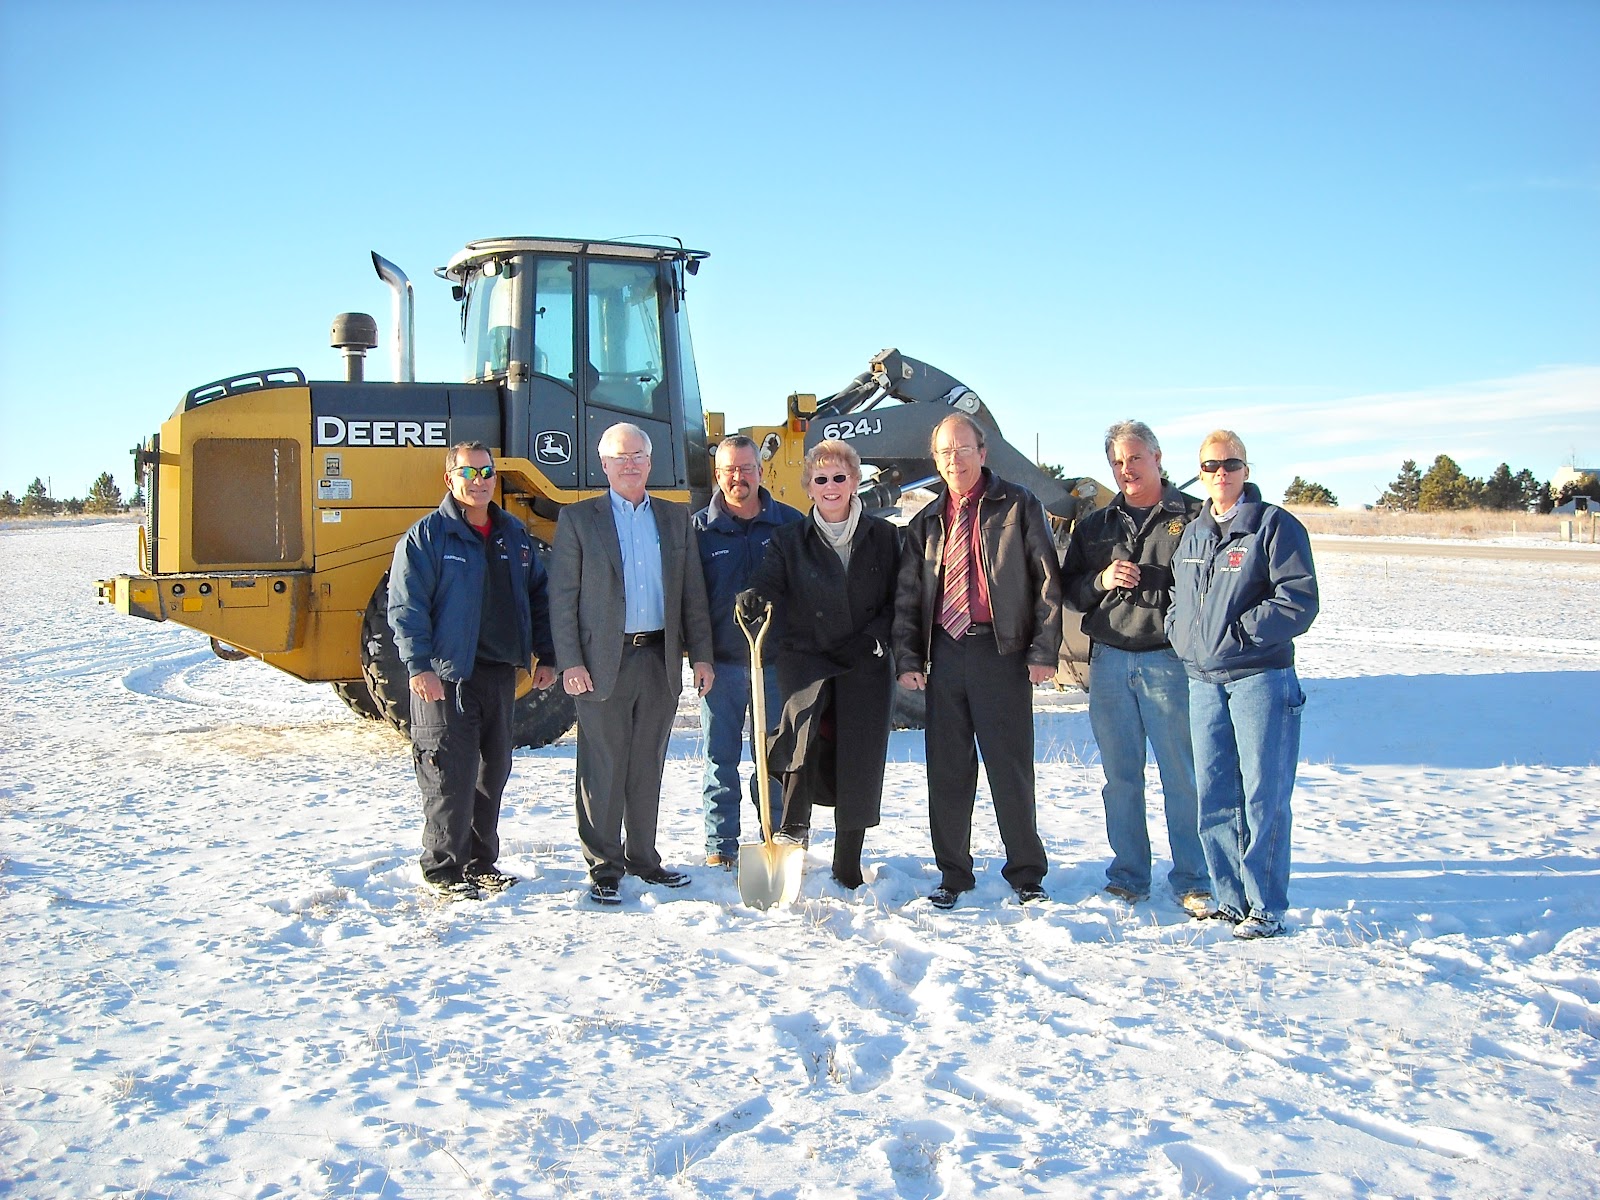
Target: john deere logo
{"type": "Point", "coordinates": [554, 447]}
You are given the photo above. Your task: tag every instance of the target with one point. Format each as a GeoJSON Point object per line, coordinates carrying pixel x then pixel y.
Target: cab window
{"type": "Point", "coordinates": [488, 322]}
{"type": "Point", "coordinates": [552, 321]}
{"type": "Point", "coordinates": [625, 354]}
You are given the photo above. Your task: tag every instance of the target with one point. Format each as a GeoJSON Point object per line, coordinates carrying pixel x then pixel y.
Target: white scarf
{"type": "Point", "coordinates": [840, 534]}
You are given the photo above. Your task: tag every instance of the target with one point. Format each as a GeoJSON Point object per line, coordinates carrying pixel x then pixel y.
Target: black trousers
{"type": "Point", "coordinates": [461, 746]}
{"type": "Point", "coordinates": [981, 700]}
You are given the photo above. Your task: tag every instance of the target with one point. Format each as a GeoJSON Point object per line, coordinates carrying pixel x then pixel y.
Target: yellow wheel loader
{"type": "Point", "coordinates": [274, 503]}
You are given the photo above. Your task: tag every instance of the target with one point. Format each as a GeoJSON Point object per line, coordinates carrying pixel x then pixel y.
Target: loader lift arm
{"type": "Point", "coordinates": [894, 437]}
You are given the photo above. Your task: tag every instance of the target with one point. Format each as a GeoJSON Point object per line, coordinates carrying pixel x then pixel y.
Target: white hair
{"type": "Point", "coordinates": [612, 436]}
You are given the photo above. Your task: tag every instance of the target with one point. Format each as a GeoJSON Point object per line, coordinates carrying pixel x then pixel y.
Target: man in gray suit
{"type": "Point", "coordinates": [626, 598]}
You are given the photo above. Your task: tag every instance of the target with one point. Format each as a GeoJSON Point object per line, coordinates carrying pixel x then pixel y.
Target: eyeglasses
{"type": "Point", "coordinates": [471, 473]}
{"type": "Point", "coordinates": [953, 453]}
{"type": "Point", "coordinates": [1212, 465]}
{"type": "Point", "coordinates": [751, 471]}
{"type": "Point", "coordinates": [637, 458]}
{"type": "Point", "coordinates": [819, 480]}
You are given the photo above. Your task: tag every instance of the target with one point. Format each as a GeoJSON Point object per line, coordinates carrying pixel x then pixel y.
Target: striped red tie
{"type": "Point", "coordinates": [956, 613]}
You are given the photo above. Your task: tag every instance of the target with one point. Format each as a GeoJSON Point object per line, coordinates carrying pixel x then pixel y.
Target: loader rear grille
{"type": "Point", "coordinates": [246, 501]}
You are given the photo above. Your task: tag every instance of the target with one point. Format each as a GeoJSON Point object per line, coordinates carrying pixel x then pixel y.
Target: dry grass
{"type": "Point", "coordinates": [1471, 523]}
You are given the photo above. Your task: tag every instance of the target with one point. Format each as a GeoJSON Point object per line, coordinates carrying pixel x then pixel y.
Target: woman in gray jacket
{"type": "Point", "coordinates": [1244, 589]}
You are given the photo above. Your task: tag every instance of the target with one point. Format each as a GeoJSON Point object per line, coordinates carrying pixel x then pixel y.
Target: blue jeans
{"type": "Point", "coordinates": [724, 715]}
{"type": "Point", "coordinates": [1246, 746]}
{"type": "Point", "coordinates": [1134, 697]}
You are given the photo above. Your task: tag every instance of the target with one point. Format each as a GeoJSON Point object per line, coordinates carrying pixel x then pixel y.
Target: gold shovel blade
{"type": "Point", "coordinates": [770, 874]}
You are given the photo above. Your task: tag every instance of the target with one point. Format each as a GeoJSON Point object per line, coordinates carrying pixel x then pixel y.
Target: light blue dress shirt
{"type": "Point", "coordinates": [642, 591]}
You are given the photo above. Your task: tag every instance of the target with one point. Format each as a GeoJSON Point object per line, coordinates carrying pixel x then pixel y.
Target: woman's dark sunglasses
{"type": "Point", "coordinates": [819, 480]}
{"type": "Point", "coordinates": [1212, 465]}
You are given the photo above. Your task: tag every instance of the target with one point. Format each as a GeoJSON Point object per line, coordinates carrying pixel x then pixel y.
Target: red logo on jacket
{"type": "Point", "coordinates": [1235, 559]}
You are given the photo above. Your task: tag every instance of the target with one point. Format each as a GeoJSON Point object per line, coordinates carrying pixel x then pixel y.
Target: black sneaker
{"type": "Point", "coordinates": [793, 835]}
{"type": "Point", "coordinates": [605, 894]}
{"type": "Point", "coordinates": [453, 889]}
{"type": "Point", "coordinates": [662, 877]}
{"type": "Point", "coordinates": [491, 879]}
{"type": "Point", "coordinates": [1029, 892]}
{"type": "Point", "coordinates": [943, 897]}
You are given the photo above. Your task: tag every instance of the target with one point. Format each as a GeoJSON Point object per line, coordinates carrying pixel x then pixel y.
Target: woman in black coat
{"type": "Point", "coordinates": [833, 575]}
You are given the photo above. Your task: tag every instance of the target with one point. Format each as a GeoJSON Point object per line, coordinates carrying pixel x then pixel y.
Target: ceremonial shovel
{"type": "Point", "coordinates": [769, 874]}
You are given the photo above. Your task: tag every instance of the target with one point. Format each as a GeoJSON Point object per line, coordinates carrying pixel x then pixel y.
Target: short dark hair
{"type": "Point", "coordinates": [461, 450]}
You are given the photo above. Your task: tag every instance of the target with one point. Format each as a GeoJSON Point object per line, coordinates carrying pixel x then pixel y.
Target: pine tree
{"type": "Point", "coordinates": [1405, 493]}
{"type": "Point", "coordinates": [1444, 487]}
{"type": "Point", "coordinates": [104, 495]}
{"type": "Point", "coordinates": [1502, 492]}
{"type": "Point", "coordinates": [8, 504]}
{"type": "Point", "coordinates": [36, 501]}
{"type": "Point", "coordinates": [1527, 490]}
{"type": "Point", "coordinates": [137, 499]}
{"type": "Point", "coordinates": [1304, 492]}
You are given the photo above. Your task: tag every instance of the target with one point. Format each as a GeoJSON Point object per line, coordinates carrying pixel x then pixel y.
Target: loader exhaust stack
{"type": "Point", "coordinates": [405, 317]}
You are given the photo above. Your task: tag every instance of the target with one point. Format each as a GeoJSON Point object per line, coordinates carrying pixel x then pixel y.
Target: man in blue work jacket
{"type": "Point", "coordinates": [469, 606]}
{"type": "Point", "coordinates": [733, 530]}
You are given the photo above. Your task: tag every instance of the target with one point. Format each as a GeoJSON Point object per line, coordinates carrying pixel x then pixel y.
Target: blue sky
{"type": "Point", "coordinates": [1354, 232]}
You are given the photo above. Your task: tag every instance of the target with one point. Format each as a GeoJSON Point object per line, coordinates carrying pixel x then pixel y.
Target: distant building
{"type": "Point", "coordinates": [1567, 474]}
{"type": "Point", "coordinates": [1578, 504]}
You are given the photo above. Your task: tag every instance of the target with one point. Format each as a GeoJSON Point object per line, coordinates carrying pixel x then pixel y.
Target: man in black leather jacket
{"type": "Point", "coordinates": [978, 624]}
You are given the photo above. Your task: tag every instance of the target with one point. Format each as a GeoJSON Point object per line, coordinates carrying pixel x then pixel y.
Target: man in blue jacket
{"type": "Point", "coordinates": [469, 606]}
{"type": "Point", "coordinates": [733, 530]}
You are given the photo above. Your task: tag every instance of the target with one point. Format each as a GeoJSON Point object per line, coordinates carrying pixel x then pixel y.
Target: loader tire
{"type": "Point", "coordinates": [542, 717]}
{"type": "Point", "coordinates": [358, 699]}
{"type": "Point", "coordinates": [538, 719]}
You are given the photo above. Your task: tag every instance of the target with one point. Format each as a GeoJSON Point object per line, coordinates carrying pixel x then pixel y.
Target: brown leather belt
{"type": "Point", "coordinates": [650, 637]}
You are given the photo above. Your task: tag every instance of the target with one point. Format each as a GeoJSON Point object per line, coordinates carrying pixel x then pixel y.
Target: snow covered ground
{"type": "Point", "coordinates": [220, 980]}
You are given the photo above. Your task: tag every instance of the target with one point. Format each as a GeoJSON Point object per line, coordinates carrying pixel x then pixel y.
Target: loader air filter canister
{"type": "Point", "coordinates": [353, 334]}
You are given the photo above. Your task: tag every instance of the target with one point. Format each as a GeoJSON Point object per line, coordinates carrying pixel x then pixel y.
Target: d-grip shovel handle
{"type": "Point", "coordinates": [758, 711]}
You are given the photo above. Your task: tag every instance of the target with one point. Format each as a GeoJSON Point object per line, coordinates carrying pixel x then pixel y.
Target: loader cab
{"type": "Point", "coordinates": [579, 336]}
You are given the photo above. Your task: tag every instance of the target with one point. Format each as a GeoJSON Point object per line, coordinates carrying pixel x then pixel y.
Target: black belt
{"type": "Point", "coordinates": [650, 637]}
{"type": "Point", "coordinates": [979, 631]}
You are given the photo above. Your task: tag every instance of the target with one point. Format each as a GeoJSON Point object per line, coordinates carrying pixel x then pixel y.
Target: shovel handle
{"type": "Point", "coordinates": [758, 713]}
